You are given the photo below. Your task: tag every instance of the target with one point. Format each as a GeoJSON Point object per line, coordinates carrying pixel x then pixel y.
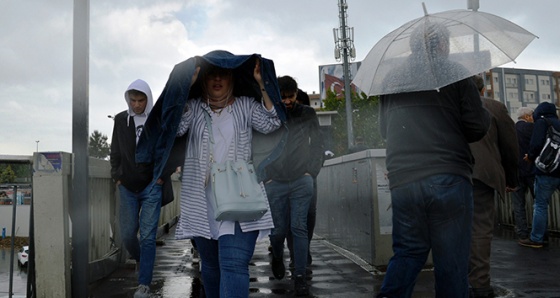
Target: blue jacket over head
{"type": "Point", "coordinates": [160, 129]}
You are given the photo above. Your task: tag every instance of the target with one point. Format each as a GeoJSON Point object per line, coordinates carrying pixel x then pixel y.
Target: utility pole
{"type": "Point", "coordinates": [80, 126]}
{"type": "Point", "coordinates": [344, 46]}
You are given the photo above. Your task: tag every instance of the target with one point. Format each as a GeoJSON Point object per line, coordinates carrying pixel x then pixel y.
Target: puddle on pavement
{"type": "Point", "coordinates": [19, 285]}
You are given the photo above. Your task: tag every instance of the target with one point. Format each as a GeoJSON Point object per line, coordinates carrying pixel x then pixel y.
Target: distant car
{"type": "Point", "coordinates": [23, 255]}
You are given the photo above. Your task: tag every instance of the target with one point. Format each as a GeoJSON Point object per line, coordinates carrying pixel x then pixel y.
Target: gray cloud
{"type": "Point", "coordinates": [133, 39]}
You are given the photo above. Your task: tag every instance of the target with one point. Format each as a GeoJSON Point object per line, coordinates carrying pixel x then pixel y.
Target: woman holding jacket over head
{"type": "Point", "coordinates": [225, 247]}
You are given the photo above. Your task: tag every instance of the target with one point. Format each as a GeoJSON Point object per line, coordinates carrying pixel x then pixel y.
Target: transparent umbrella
{"type": "Point", "coordinates": [438, 49]}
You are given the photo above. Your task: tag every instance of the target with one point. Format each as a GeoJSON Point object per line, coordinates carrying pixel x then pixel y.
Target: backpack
{"type": "Point", "coordinates": [549, 158]}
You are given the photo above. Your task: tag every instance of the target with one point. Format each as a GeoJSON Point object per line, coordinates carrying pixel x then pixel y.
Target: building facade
{"type": "Point", "coordinates": [522, 87]}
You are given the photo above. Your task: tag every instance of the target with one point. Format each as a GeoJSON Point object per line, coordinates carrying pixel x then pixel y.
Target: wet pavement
{"type": "Point", "coordinates": [516, 272]}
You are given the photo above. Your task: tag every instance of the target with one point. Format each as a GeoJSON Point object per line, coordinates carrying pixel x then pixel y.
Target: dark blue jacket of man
{"type": "Point", "coordinates": [160, 128]}
{"type": "Point", "coordinates": [544, 110]}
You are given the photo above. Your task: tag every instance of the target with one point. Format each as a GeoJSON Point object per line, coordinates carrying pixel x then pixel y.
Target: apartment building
{"type": "Point", "coordinates": [522, 87]}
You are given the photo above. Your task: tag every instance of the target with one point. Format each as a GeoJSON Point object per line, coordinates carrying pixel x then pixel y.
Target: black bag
{"type": "Point", "coordinates": [549, 158]}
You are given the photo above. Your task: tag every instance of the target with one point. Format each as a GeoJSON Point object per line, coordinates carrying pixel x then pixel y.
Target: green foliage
{"type": "Point", "coordinates": [21, 172]}
{"type": "Point", "coordinates": [98, 146]}
{"type": "Point", "coordinates": [7, 175]}
{"type": "Point", "coordinates": [365, 121]}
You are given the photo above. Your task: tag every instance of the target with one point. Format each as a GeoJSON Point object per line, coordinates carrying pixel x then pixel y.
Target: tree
{"type": "Point", "coordinates": [7, 175]}
{"type": "Point", "coordinates": [365, 121]}
{"type": "Point", "coordinates": [98, 146]}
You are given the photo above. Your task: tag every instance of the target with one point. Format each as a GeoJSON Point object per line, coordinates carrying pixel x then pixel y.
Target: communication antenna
{"type": "Point", "coordinates": [344, 48]}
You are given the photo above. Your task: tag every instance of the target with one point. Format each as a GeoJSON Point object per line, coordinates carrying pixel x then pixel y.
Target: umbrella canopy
{"type": "Point", "coordinates": [439, 49]}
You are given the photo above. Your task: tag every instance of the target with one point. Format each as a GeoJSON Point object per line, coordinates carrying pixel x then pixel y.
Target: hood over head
{"type": "Point", "coordinates": [143, 87]}
{"type": "Point", "coordinates": [545, 110]}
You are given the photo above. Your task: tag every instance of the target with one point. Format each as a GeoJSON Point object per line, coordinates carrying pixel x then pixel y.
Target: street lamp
{"type": "Point", "coordinates": [37, 145]}
{"type": "Point", "coordinates": [111, 116]}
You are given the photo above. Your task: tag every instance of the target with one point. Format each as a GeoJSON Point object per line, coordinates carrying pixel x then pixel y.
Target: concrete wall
{"type": "Point", "coordinates": [353, 206]}
{"type": "Point", "coordinates": [22, 220]}
{"type": "Point", "coordinates": [52, 222]}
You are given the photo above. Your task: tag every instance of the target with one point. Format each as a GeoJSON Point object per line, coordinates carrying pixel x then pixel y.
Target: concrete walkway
{"type": "Point", "coordinates": [516, 272]}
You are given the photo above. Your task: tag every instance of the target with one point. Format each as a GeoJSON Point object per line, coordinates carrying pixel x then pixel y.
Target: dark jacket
{"type": "Point", "coordinates": [303, 152]}
{"type": "Point", "coordinates": [543, 110]}
{"type": "Point", "coordinates": [524, 131]}
{"type": "Point", "coordinates": [495, 156]}
{"type": "Point", "coordinates": [428, 132]}
{"type": "Point", "coordinates": [135, 177]}
{"type": "Point", "coordinates": [156, 142]}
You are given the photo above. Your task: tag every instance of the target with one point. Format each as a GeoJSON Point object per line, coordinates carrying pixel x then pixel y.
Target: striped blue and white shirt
{"type": "Point", "coordinates": [197, 218]}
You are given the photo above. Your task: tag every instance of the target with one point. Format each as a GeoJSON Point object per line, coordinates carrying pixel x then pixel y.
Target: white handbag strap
{"type": "Point", "coordinates": [210, 136]}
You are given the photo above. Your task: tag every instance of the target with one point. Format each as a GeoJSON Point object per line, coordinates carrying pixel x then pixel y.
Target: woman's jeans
{"type": "Point", "coordinates": [225, 263]}
{"type": "Point", "coordinates": [544, 189]}
{"type": "Point", "coordinates": [289, 204]}
{"type": "Point", "coordinates": [432, 213]}
{"type": "Point", "coordinates": [139, 212]}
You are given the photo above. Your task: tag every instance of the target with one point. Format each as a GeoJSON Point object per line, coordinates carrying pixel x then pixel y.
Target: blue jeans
{"type": "Point", "coordinates": [225, 263]}
{"type": "Point", "coordinates": [289, 204]}
{"type": "Point", "coordinates": [139, 212]}
{"type": "Point", "coordinates": [432, 213]}
{"type": "Point", "coordinates": [544, 188]}
{"type": "Point", "coordinates": [519, 202]}
{"type": "Point", "coordinates": [311, 219]}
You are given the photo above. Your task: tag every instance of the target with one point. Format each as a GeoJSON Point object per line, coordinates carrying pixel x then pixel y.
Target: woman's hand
{"type": "Point", "coordinates": [195, 75]}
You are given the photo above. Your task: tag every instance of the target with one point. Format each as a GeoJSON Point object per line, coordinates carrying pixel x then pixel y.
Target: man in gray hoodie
{"type": "Point", "coordinates": [140, 199]}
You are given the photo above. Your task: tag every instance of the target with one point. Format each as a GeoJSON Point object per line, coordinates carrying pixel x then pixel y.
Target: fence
{"type": "Point", "coordinates": [53, 228]}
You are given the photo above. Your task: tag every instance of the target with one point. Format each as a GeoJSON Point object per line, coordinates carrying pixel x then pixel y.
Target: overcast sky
{"type": "Point", "coordinates": [132, 39]}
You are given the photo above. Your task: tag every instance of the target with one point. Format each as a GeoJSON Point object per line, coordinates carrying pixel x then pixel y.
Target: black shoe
{"type": "Point", "coordinates": [300, 286]}
{"type": "Point", "coordinates": [278, 269]}
{"type": "Point", "coordinates": [529, 243]}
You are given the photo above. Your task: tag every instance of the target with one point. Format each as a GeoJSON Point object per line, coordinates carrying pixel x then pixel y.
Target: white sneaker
{"type": "Point", "coordinates": [143, 291]}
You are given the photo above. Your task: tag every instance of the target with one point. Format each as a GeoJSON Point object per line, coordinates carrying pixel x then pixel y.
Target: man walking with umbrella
{"type": "Point", "coordinates": [430, 169]}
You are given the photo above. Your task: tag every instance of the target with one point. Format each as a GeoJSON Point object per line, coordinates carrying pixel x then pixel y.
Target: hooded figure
{"type": "Point", "coordinates": [142, 115]}
{"type": "Point", "coordinates": [127, 129]}
{"type": "Point", "coordinates": [545, 183]}
{"type": "Point", "coordinates": [543, 110]}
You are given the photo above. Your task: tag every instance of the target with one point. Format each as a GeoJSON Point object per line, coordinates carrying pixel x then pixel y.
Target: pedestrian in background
{"type": "Point", "coordinates": [140, 196]}
{"type": "Point", "coordinates": [289, 184]}
{"type": "Point", "coordinates": [524, 128]}
{"type": "Point", "coordinates": [545, 183]}
{"type": "Point", "coordinates": [303, 99]}
{"type": "Point", "coordinates": [495, 171]}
